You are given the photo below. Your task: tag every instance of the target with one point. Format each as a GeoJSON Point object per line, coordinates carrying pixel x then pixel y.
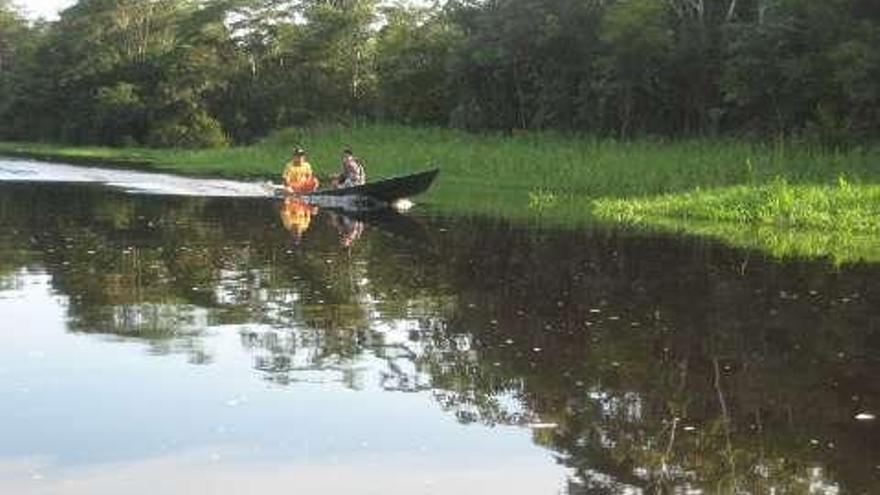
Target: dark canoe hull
{"type": "Point", "coordinates": [387, 190]}
{"type": "Point", "coordinates": [382, 192]}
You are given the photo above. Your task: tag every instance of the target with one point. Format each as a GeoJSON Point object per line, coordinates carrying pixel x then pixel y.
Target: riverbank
{"type": "Point", "coordinates": [560, 179]}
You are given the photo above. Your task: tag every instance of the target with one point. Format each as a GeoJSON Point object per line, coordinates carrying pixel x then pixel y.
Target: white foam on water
{"type": "Point", "coordinates": [15, 170]}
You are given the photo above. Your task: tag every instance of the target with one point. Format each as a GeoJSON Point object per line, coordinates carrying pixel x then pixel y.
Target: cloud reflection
{"type": "Point", "coordinates": [222, 471]}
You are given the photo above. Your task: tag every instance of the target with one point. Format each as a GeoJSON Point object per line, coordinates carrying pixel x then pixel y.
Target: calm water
{"type": "Point", "coordinates": [158, 343]}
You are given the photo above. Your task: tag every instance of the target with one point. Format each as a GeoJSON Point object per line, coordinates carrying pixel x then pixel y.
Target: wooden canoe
{"type": "Point", "coordinates": [381, 192]}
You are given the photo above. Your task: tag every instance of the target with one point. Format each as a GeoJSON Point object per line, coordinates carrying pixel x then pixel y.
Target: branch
{"type": "Point", "coordinates": [730, 11]}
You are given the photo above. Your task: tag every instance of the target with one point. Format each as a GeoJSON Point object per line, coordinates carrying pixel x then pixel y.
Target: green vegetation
{"type": "Point", "coordinates": [786, 220]}
{"type": "Point", "coordinates": [845, 207]}
{"type": "Point", "coordinates": [538, 163]}
{"type": "Point", "coordinates": [206, 73]}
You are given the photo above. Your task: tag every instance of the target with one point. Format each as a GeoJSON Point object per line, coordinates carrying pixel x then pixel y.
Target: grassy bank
{"type": "Point", "coordinates": [569, 180]}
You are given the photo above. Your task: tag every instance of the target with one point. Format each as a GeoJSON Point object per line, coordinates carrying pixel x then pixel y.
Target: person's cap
{"type": "Point", "coordinates": [347, 150]}
{"type": "Point", "coordinates": [297, 151]}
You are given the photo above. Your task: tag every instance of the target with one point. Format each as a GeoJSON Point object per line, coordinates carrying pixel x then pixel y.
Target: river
{"type": "Point", "coordinates": [171, 335]}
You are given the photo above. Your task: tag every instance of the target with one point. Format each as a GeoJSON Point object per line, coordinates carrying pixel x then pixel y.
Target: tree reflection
{"type": "Point", "coordinates": [657, 363]}
{"type": "Point", "coordinates": [669, 366]}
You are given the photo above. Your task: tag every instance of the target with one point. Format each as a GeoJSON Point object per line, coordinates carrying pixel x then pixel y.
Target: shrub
{"type": "Point", "coordinates": [195, 130]}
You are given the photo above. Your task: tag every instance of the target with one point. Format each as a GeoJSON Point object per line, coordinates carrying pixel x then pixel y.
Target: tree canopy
{"type": "Point", "coordinates": [193, 73]}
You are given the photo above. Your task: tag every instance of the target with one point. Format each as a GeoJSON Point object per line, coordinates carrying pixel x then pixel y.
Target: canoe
{"type": "Point", "coordinates": [376, 194]}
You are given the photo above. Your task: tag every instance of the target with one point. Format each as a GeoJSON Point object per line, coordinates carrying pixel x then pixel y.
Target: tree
{"type": "Point", "coordinates": [198, 72]}
{"type": "Point", "coordinates": [638, 41]}
{"type": "Point", "coordinates": [15, 35]}
{"type": "Point", "coordinates": [12, 27]}
{"type": "Point", "coordinates": [523, 64]}
{"type": "Point", "coordinates": [112, 71]}
{"type": "Point", "coordinates": [779, 68]}
{"type": "Point", "coordinates": [413, 51]}
{"type": "Point", "coordinates": [336, 46]}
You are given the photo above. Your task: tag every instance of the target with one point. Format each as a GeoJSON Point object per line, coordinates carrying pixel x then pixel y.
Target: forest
{"type": "Point", "coordinates": [207, 73]}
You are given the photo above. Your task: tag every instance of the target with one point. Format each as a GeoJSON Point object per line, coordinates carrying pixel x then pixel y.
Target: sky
{"type": "Point", "coordinates": [47, 9]}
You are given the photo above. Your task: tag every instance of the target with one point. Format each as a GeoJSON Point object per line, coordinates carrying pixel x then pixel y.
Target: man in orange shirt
{"type": "Point", "coordinates": [298, 177]}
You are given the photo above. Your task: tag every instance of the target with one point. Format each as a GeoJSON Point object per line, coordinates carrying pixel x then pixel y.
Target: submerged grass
{"type": "Point", "coordinates": [843, 207]}
{"type": "Point", "coordinates": [568, 180]}
{"type": "Point", "coordinates": [838, 221]}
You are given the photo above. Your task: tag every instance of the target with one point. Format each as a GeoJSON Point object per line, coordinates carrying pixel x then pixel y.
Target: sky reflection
{"type": "Point", "coordinates": [98, 415]}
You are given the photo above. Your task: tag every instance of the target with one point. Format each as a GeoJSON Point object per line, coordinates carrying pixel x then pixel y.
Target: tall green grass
{"type": "Point", "coordinates": [551, 161]}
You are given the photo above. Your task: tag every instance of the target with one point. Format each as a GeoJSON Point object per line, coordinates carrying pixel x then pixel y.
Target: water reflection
{"type": "Point", "coordinates": [643, 363]}
{"type": "Point", "coordinates": [296, 216]}
{"type": "Point", "coordinates": [350, 229]}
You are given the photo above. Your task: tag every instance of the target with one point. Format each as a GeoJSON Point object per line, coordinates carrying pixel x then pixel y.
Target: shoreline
{"type": "Point", "coordinates": [785, 199]}
{"type": "Point", "coordinates": [80, 160]}
{"type": "Point", "coordinates": [140, 164]}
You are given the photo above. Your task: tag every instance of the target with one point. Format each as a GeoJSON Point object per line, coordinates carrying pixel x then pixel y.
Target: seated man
{"type": "Point", "coordinates": [352, 171]}
{"type": "Point", "coordinates": [298, 177]}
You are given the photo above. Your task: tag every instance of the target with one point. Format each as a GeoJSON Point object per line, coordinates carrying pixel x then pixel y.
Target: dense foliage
{"type": "Point", "coordinates": [204, 73]}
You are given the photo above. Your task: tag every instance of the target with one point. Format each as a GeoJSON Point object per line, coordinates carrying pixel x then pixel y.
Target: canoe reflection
{"type": "Point", "coordinates": [298, 216]}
